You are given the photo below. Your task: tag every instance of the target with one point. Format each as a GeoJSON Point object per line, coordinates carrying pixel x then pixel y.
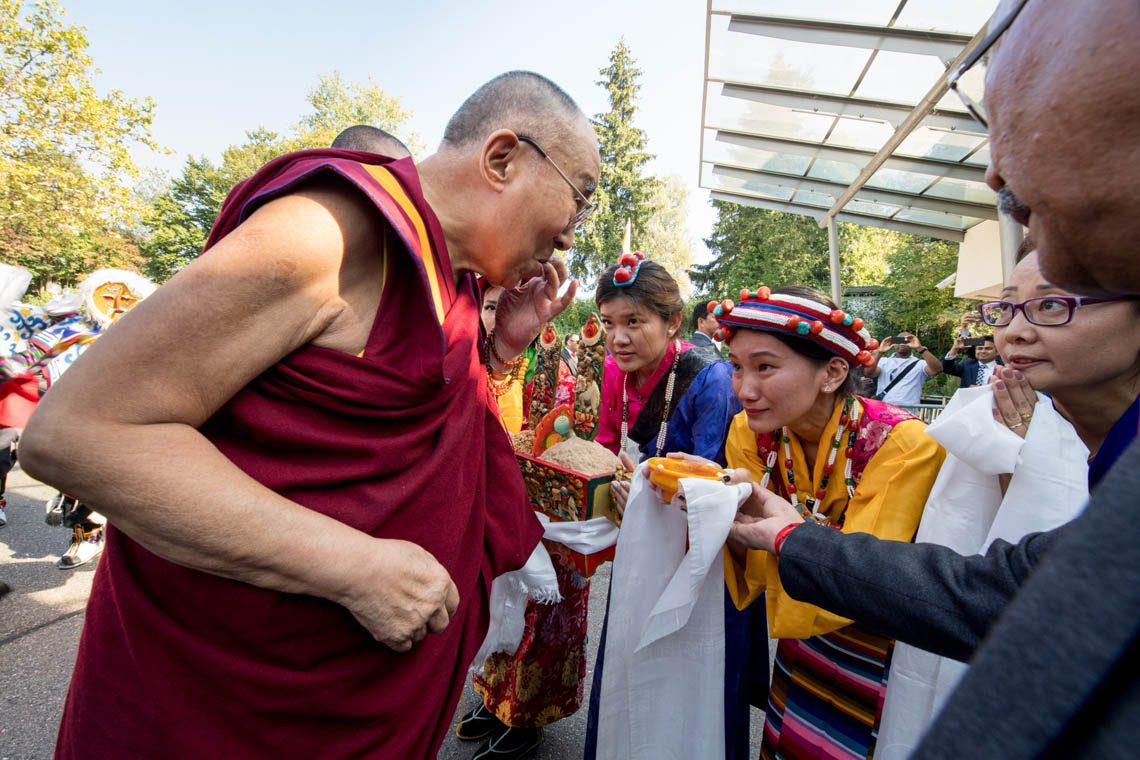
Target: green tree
{"type": "Point", "coordinates": [624, 192]}
{"type": "Point", "coordinates": [338, 104]}
{"type": "Point", "coordinates": [912, 302]}
{"type": "Point", "coordinates": [664, 237]}
{"type": "Point", "coordinates": [180, 218]}
{"type": "Point", "coordinates": [752, 246]}
{"type": "Point", "coordinates": [864, 253]}
{"type": "Point", "coordinates": [575, 315]}
{"type": "Point", "coordinates": [65, 149]}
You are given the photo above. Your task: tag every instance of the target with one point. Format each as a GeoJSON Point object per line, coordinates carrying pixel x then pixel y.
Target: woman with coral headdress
{"type": "Point", "coordinates": [659, 395]}
{"type": "Point", "coordinates": [855, 464]}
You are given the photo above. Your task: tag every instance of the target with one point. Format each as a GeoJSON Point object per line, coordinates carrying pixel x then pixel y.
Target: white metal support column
{"type": "Point", "coordinates": [1011, 237]}
{"type": "Point", "coordinates": [833, 247]}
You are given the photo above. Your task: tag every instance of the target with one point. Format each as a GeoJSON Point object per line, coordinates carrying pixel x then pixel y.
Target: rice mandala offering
{"type": "Point", "coordinates": [579, 455]}
{"type": "Point", "coordinates": [522, 441]}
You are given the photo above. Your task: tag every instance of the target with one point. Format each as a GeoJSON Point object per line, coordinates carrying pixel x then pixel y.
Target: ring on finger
{"type": "Point", "coordinates": [1026, 416]}
{"type": "Point", "coordinates": [1017, 425]}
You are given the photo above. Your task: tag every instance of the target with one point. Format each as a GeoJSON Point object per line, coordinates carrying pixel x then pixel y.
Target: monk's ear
{"type": "Point", "coordinates": [498, 162]}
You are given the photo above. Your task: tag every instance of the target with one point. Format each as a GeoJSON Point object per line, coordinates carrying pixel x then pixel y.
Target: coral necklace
{"type": "Point", "coordinates": [809, 510]}
{"type": "Point", "coordinates": [661, 432]}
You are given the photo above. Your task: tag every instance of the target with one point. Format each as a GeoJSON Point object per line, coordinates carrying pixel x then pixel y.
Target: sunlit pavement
{"type": "Point", "coordinates": [40, 620]}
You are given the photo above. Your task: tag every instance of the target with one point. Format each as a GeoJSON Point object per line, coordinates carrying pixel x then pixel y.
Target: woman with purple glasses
{"type": "Point", "coordinates": [1056, 417]}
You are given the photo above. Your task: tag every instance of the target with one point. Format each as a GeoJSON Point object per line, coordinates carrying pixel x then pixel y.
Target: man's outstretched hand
{"type": "Point", "coordinates": [760, 519]}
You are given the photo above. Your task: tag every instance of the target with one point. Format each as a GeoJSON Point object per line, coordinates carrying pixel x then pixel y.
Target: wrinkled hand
{"type": "Point", "coordinates": [403, 595]}
{"type": "Point", "coordinates": [762, 516]}
{"type": "Point", "coordinates": [522, 311]}
{"type": "Point", "coordinates": [1014, 399]}
{"type": "Point", "coordinates": [619, 489]}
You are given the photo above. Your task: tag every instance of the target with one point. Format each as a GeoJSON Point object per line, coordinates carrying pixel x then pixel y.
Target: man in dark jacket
{"type": "Point", "coordinates": [704, 325]}
{"type": "Point", "coordinates": [1049, 625]}
{"type": "Point", "coordinates": [976, 370]}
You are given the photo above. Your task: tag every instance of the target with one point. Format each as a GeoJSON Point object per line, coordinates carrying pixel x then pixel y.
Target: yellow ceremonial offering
{"type": "Point", "coordinates": [666, 473]}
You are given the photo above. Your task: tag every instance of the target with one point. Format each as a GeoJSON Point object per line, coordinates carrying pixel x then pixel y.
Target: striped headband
{"type": "Point", "coordinates": [833, 329]}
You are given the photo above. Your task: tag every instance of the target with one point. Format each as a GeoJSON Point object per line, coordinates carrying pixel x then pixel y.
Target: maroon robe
{"type": "Point", "coordinates": [399, 443]}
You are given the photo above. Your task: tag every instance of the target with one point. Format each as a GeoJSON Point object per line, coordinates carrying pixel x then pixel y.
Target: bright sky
{"type": "Point", "coordinates": [216, 69]}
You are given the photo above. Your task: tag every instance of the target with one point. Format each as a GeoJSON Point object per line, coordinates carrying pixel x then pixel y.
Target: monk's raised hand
{"type": "Point", "coordinates": [403, 594]}
{"type": "Point", "coordinates": [522, 311]}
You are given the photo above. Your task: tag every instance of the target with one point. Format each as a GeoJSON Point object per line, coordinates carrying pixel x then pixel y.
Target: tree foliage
{"type": "Point", "coordinates": [624, 191]}
{"type": "Point", "coordinates": [664, 237]}
{"type": "Point", "coordinates": [180, 218]}
{"type": "Point", "coordinates": [752, 246]}
{"type": "Point", "coordinates": [65, 149]}
{"type": "Point", "coordinates": [575, 315]}
{"type": "Point", "coordinates": [912, 302]}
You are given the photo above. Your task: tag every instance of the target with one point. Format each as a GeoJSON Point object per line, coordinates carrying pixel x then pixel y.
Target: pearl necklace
{"type": "Point", "coordinates": [669, 384]}
{"type": "Point", "coordinates": [810, 508]}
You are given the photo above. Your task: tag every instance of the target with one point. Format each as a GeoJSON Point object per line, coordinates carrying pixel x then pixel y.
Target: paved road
{"type": "Point", "coordinates": [40, 621]}
{"type": "Point", "coordinates": [41, 618]}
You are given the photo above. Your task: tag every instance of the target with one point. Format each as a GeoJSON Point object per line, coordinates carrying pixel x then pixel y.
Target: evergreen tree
{"type": "Point", "coordinates": [665, 237]}
{"type": "Point", "coordinates": [753, 246]}
{"type": "Point", "coordinates": [180, 217]}
{"type": "Point", "coordinates": [623, 191]}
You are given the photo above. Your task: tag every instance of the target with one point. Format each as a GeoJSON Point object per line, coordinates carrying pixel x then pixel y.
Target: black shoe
{"type": "Point", "coordinates": [479, 724]}
{"type": "Point", "coordinates": [512, 744]}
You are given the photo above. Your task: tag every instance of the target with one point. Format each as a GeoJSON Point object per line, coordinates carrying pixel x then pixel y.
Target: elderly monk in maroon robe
{"type": "Point", "coordinates": [308, 492]}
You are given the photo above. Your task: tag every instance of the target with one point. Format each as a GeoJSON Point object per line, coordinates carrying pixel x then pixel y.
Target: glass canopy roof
{"type": "Point", "coordinates": [800, 97]}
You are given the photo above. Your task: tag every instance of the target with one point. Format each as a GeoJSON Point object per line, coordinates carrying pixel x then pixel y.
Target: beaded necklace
{"type": "Point", "coordinates": [809, 510]}
{"type": "Point", "coordinates": [661, 432]}
{"type": "Point", "coordinates": [500, 388]}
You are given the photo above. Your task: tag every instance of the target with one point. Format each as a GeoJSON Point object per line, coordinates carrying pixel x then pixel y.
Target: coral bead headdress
{"type": "Point", "coordinates": [834, 329]}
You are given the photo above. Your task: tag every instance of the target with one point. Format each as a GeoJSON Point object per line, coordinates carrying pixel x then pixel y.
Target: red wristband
{"type": "Point", "coordinates": [782, 536]}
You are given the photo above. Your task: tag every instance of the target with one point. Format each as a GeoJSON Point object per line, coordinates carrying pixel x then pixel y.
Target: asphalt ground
{"type": "Point", "coordinates": [41, 618]}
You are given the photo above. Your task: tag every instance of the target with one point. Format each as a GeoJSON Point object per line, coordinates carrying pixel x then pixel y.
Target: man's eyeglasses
{"type": "Point", "coordinates": [584, 206]}
{"type": "Point", "coordinates": [975, 106]}
{"type": "Point", "coordinates": [1046, 311]}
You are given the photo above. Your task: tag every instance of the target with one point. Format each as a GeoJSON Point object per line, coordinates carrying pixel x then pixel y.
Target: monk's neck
{"type": "Point", "coordinates": [438, 179]}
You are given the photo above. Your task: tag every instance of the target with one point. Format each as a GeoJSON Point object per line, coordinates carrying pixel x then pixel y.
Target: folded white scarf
{"type": "Point", "coordinates": [966, 512]}
{"type": "Point", "coordinates": [662, 689]}
{"type": "Point", "coordinates": [536, 580]}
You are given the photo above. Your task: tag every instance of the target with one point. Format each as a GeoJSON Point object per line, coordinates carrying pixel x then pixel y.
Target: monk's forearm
{"type": "Point", "coordinates": [190, 505]}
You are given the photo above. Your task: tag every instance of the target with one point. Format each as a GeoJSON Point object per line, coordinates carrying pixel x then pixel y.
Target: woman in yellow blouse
{"type": "Point", "coordinates": [856, 464]}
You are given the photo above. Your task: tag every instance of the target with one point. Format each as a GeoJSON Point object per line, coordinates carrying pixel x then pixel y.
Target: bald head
{"type": "Point", "coordinates": [1063, 108]}
{"type": "Point", "coordinates": [512, 176]}
{"type": "Point", "coordinates": [371, 140]}
{"type": "Point", "coordinates": [522, 101]}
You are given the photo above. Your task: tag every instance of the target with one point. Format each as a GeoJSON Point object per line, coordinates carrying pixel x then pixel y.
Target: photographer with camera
{"type": "Point", "coordinates": [900, 376]}
{"type": "Point", "coordinates": [975, 371]}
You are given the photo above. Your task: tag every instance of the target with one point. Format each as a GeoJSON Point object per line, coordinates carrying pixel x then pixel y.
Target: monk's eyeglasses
{"type": "Point", "coordinates": [976, 107]}
{"type": "Point", "coordinates": [583, 205]}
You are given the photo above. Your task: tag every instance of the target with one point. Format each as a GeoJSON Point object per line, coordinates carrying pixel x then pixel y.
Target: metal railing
{"type": "Point", "coordinates": [926, 412]}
